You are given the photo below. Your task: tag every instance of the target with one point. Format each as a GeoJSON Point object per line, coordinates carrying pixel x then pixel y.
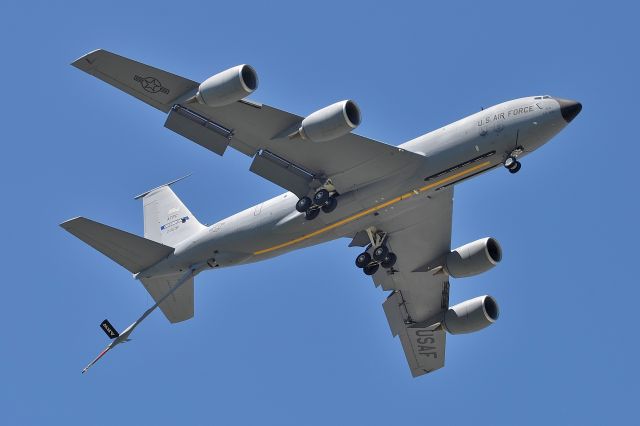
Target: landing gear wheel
{"type": "Point", "coordinates": [371, 269]}
{"type": "Point", "coordinates": [311, 214]}
{"type": "Point", "coordinates": [363, 260]}
{"type": "Point", "coordinates": [330, 205]}
{"type": "Point", "coordinates": [389, 260]}
{"type": "Point", "coordinates": [380, 253]}
{"type": "Point", "coordinates": [512, 164]}
{"type": "Point", "coordinates": [303, 204]}
{"type": "Point", "coordinates": [321, 197]}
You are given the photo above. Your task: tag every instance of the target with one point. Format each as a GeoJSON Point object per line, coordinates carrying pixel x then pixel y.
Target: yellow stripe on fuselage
{"type": "Point", "coordinates": [374, 209]}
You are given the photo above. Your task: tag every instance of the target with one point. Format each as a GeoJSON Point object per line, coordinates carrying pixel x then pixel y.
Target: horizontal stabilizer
{"type": "Point", "coordinates": [177, 307]}
{"type": "Point", "coordinates": [130, 251]}
{"type": "Point", "coordinates": [158, 88]}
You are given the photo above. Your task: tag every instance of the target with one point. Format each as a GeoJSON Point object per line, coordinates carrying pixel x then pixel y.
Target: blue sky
{"type": "Point", "coordinates": [274, 343]}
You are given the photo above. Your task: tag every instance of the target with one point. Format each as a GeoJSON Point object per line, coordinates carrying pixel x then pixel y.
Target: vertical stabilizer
{"type": "Point", "coordinates": [166, 219]}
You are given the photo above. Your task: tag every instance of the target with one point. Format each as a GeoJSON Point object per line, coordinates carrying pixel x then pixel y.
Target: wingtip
{"type": "Point", "coordinates": [68, 222]}
{"type": "Point", "coordinates": [85, 62]}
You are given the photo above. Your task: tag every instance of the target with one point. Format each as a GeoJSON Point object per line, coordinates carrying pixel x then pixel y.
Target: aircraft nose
{"type": "Point", "coordinates": [569, 109]}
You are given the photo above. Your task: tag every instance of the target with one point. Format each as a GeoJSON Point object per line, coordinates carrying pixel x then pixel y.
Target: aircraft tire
{"type": "Point", "coordinates": [303, 204]}
{"type": "Point", "coordinates": [330, 205]}
{"type": "Point", "coordinates": [380, 252]}
{"type": "Point", "coordinates": [311, 214]}
{"type": "Point", "coordinates": [321, 197]}
{"type": "Point", "coordinates": [389, 260]}
{"type": "Point", "coordinates": [515, 168]}
{"type": "Point", "coordinates": [363, 260]}
{"type": "Point", "coordinates": [371, 269]}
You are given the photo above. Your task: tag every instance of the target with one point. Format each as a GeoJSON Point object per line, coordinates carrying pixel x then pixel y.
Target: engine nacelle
{"type": "Point", "coordinates": [228, 86]}
{"type": "Point", "coordinates": [330, 122]}
{"type": "Point", "coordinates": [473, 258]}
{"type": "Point", "coordinates": [471, 315]}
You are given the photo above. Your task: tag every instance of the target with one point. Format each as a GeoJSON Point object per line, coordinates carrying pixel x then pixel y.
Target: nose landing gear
{"type": "Point", "coordinates": [381, 254]}
{"type": "Point", "coordinates": [512, 164]}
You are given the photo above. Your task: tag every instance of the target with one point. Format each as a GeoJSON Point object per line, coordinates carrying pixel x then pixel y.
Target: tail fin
{"type": "Point", "coordinates": [166, 219]}
{"type": "Point", "coordinates": [131, 251]}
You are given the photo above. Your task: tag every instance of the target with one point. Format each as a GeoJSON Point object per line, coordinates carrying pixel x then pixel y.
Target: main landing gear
{"type": "Point", "coordinates": [322, 200]}
{"type": "Point", "coordinates": [381, 256]}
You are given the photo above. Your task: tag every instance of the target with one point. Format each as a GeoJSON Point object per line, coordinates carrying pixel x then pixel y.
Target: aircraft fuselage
{"type": "Point", "coordinates": [453, 153]}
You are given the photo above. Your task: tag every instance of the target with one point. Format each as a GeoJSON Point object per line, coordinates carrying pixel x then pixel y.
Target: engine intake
{"type": "Point", "coordinates": [471, 315]}
{"type": "Point", "coordinates": [330, 122]}
{"type": "Point", "coordinates": [228, 86]}
{"type": "Point", "coordinates": [473, 258]}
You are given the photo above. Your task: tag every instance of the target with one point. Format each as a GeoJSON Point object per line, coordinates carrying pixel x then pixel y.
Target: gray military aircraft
{"type": "Point", "coordinates": [395, 202]}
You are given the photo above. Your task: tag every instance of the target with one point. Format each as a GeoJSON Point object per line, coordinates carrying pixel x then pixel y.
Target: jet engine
{"type": "Point", "coordinates": [473, 258]}
{"type": "Point", "coordinates": [471, 315]}
{"type": "Point", "coordinates": [228, 86]}
{"type": "Point", "coordinates": [330, 122]}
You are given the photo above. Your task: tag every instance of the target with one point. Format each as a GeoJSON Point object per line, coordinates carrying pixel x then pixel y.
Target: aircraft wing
{"type": "Point", "coordinates": [255, 129]}
{"type": "Point", "coordinates": [418, 300]}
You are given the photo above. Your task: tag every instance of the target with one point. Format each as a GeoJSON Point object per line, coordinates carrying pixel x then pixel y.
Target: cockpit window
{"type": "Point", "coordinates": [537, 97]}
{"type": "Point", "coordinates": [542, 97]}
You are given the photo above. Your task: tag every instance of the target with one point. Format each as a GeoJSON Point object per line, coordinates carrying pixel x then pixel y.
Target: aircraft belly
{"type": "Point", "coordinates": [274, 227]}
